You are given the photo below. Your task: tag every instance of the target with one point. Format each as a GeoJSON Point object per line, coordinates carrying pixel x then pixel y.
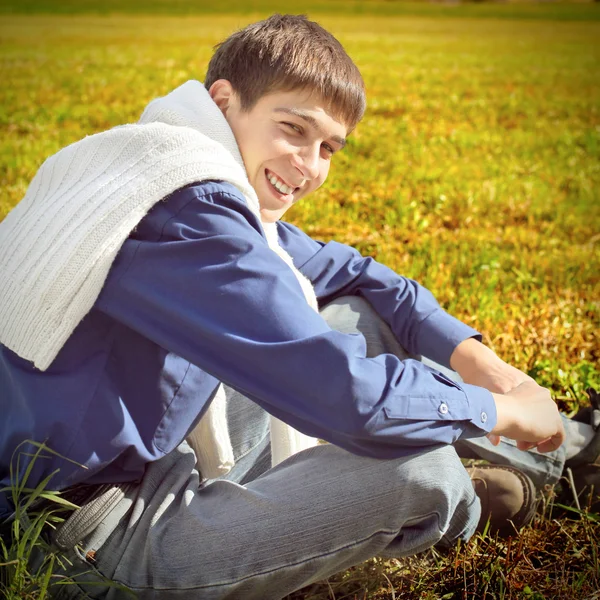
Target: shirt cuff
{"type": "Point", "coordinates": [471, 405]}
{"type": "Point", "coordinates": [482, 408]}
{"type": "Point", "coordinates": [440, 333]}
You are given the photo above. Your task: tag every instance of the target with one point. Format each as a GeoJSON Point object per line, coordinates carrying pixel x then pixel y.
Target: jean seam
{"type": "Point", "coordinates": [254, 446]}
{"type": "Point", "coordinates": [267, 572]}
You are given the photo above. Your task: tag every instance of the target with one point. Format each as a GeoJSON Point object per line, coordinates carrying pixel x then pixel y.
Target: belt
{"type": "Point", "coordinates": [94, 502]}
{"type": "Point", "coordinates": [97, 501]}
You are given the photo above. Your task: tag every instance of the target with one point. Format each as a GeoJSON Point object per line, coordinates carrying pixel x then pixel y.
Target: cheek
{"type": "Point", "coordinates": [324, 171]}
{"type": "Point", "coordinates": [279, 146]}
{"type": "Point", "coordinates": [263, 149]}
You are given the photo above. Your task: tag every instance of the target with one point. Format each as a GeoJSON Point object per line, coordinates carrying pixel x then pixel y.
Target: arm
{"type": "Point", "coordinates": [479, 365]}
{"type": "Point", "coordinates": [420, 325]}
{"type": "Point", "coordinates": [203, 284]}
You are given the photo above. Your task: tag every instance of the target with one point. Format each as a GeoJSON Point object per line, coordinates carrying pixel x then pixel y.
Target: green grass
{"type": "Point", "coordinates": [582, 10]}
{"type": "Point", "coordinates": [31, 568]}
{"type": "Point", "coordinates": [28, 564]}
{"type": "Point", "coordinates": [475, 171]}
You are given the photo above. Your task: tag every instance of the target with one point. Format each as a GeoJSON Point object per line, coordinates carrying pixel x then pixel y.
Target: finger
{"type": "Point", "coordinates": [552, 444]}
{"type": "Point", "coordinates": [526, 445]}
{"type": "Point", "coordinates": [494, 439]}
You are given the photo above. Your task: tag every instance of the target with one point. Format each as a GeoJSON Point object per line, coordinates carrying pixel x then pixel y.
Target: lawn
{"type": "Point", "coordinates": [475, 171]}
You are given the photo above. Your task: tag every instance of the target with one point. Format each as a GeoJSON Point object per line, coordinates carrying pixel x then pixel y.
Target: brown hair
{"type": "Point", "coordinates": [289, 52]}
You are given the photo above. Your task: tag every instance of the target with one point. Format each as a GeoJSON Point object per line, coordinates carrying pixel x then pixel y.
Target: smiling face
{"type": "Point", "coordinates": [287, 140]}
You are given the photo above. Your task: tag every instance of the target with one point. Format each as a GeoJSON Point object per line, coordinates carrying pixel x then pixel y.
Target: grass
{"type": "Point", "coordinates": [28, 564]}
{"type": "Point", "coordinates": [475, 171]}
{"type": "Point", "coordinates": [551, 560]}
{"type": "Point", "coordinates": [30, 567]}
{"type": "Point", "coordinates": [578, 10]}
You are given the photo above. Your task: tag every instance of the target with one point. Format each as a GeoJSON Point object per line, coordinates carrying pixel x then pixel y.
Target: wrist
{"type": "Point", "coordinates": [503, 414]}
{"type": "Point", "coordinates": [472, 356]}
{"type": "Point", "coordinates": [507, 415]}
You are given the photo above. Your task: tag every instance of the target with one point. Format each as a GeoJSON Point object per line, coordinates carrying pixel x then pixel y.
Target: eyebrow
{"type": "Point", "coordinates": [312, 121]}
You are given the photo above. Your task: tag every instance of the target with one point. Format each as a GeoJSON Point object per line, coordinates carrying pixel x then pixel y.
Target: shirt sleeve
{"type": "Point", "coordinates": [420, 325]}
{"type": "Point", "coordinates": [198, 278]}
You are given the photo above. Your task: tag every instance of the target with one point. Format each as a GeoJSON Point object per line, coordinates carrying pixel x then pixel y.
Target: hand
{"type": "Point", "coordinates": [528, 415]}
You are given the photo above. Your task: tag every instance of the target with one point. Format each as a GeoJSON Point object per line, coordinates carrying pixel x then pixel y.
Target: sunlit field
{"type": "Point", "coordinates": [475, 171]}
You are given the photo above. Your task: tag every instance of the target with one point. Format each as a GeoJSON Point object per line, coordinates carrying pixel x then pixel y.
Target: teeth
{"type": "Point", "coordinates": [284, 189]}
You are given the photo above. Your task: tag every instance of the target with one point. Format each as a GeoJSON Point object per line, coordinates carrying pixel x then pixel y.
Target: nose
{"type": "Point", "coordinates": [308, 161]}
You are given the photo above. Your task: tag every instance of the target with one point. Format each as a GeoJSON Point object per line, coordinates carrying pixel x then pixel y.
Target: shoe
{"type": "Point", "coordinates": [585, 466]}
{"type": "Point", "coordinates": [508, 498]}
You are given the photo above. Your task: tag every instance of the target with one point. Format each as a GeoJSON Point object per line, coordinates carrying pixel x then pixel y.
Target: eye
{"type": "Point", "coordinates": [328, 149]}
{"type": "Point", "coordinates": [293, 126]}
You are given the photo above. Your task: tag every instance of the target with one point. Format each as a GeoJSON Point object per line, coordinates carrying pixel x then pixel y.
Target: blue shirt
{"type": "Point", "coordinates": [194, 297]}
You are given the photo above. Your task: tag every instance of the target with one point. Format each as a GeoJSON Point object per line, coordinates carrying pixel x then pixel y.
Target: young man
{"type": "Point", "coordinates": [148, 264]}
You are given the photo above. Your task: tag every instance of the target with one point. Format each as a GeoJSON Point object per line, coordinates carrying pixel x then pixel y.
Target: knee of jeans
{"type": "Point", "coordinates": [356, 304]}
{"type": "Point", "coordinates": [349, 314]}
{"type": "Point", "coordinates": [435, 481]}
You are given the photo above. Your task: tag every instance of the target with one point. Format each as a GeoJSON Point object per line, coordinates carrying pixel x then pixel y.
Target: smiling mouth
{"type": "Point", "coordinates": [280, 189]}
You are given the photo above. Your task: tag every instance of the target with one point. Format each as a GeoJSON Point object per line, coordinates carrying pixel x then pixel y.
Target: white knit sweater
{"type": "Point", "coordinates": [58, 244]}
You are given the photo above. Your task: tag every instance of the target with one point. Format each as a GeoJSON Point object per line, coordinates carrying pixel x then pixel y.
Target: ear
{"type": "Point", "coordinates": [221, 91]}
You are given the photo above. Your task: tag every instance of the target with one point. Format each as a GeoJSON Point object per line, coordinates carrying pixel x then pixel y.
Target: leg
{"type": "Point", "coordinates": [321, 511]}
{"type": "Point", "coordinates": [248, 426]}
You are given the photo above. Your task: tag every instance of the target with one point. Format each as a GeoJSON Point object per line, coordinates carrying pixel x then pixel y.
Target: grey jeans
{"type": "Point", "coordinates": [261, 532]}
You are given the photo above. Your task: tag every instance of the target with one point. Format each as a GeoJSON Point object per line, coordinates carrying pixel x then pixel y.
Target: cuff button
{"type": "Point", "coordinates": [483, 417]}
{"type": "Point", "coordinates": [443, 409]}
